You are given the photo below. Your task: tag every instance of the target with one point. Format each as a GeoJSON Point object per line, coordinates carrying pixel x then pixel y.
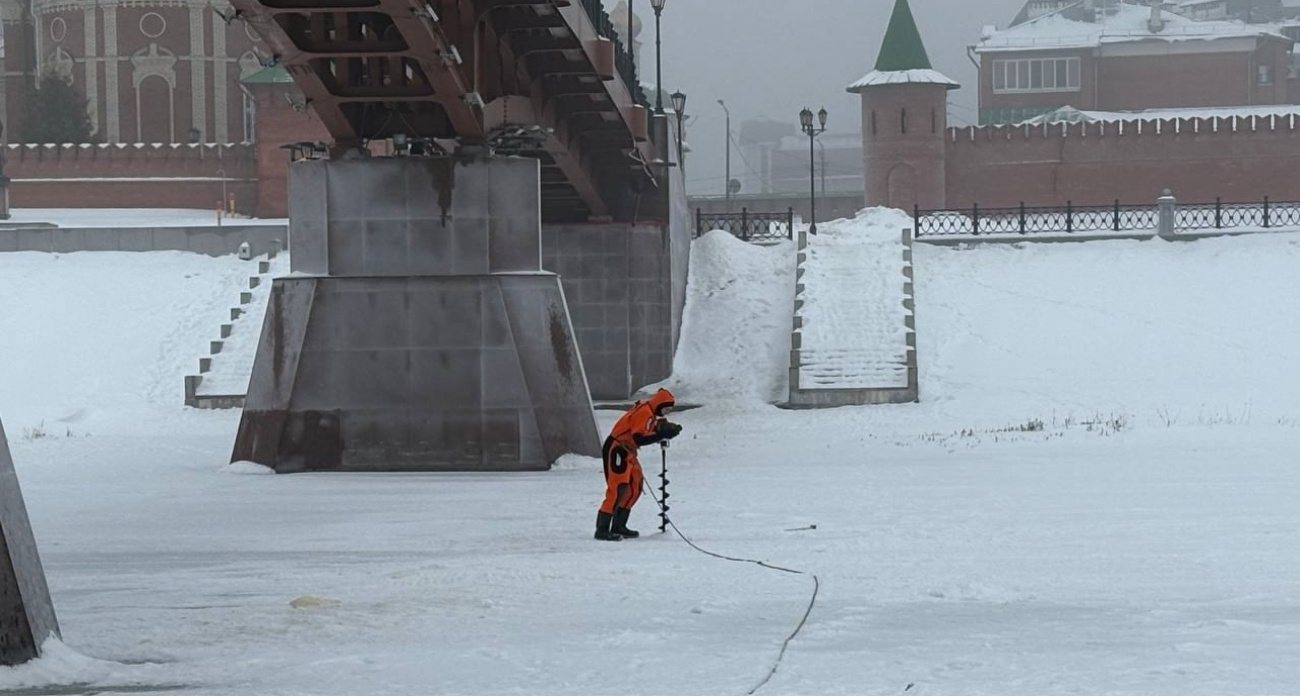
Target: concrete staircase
{"type": "Point", "coordinates": [222, 380]}
{"type": "Point", "coordinates": [864, 348]}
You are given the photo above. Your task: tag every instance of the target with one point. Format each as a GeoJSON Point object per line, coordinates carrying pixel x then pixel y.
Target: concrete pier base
{"type": "Point", "coordinates": [26, 613]}
{"type": "Point", "coordinates": [418, 331]}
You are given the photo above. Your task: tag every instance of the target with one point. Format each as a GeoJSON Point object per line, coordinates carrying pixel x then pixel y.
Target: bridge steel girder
{"type": "Point", "coordinates": [458, 56]}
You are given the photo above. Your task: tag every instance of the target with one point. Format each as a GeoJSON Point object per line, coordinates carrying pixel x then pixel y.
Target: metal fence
{"type": "Point", "coordinates": [1027, 220]}
{"type": "Point", "coordinates": [1234, 216]}
{"type": "Point", "coordinates": [750, 227]}
{"type": "Point", "coordinates": [622, 61]}
{"type": "Point", "coordinates": [1023, 220]}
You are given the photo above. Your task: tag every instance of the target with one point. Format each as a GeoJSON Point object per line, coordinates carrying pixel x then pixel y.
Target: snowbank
{"type": "Point", "coordinates": [735, 341]}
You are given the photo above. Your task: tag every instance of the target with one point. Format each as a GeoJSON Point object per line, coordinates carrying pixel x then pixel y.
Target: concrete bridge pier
{"type": "Point", "coordinates": [418, 331]}
{"type": "Point", "coordinates": [26, 614]}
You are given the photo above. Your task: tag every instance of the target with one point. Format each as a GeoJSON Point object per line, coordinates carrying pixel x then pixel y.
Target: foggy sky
{"type": "Point", "coordinates": [770, 58]}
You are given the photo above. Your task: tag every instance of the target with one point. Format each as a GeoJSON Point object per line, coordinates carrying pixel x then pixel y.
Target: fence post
{"type": "Point", "coordinates": [1166, 207]}
{"type": "Point", "coordinates": [1115, 227]}
{"type": "Point", "coordinates": [1265, 212]}
{"type": "Point", "coordinates": [1069, 217]}
{"type": "Point", "coordinates": [916, 218]}
{"type": "Point", "coordinates": [789, 225]}
{"type": "Point", "coordinates": [975, 218]}
{"type": "Point", "coordinates": [1218, 213]}
{"type": "Point", "coordinates": [1022, 217]}
{"type": "Point", "coordinates": [744, 224]}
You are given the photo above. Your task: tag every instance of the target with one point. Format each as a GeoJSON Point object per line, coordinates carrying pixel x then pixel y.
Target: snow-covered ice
{"type": "Point", "coordinates": [1096, 495]}
{"type": "Point", "coordinates": [853, 315]}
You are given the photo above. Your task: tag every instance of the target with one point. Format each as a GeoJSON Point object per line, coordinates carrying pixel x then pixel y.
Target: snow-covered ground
{"type": "Point", "coordinates": [853, 331]}
{"type": "Point", "coordinates": [131, 217]}
{"type": "Point", "coordinates": [1097, 495]}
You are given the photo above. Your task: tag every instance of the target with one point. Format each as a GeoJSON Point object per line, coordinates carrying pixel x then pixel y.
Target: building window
{"type": "Point", "coordinates": [1265, 74]}
{"type": "Point", "coordinates": [902, 119]}
{"type": "Point", "coordinates": [1036, 75]}
{"type": "Point", "coordinates": [873, 121]}
{"type": "Point", "coordinates": [250, 118]}
{"type": "Point", "coordinates": [934, 121]}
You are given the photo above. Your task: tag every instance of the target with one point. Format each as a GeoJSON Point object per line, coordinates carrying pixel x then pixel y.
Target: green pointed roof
{"type": "Point", "coordinates": [903, 48]}
{"type": "Point", "coordinates": [275, 75]}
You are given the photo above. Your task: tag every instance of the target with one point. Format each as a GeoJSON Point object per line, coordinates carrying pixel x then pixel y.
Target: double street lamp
{"type": "Point", "coordinates": [812, 130]}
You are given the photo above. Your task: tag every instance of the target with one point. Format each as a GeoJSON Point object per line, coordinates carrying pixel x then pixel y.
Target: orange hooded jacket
{"type": "Point", "coordinates": [641, 422]}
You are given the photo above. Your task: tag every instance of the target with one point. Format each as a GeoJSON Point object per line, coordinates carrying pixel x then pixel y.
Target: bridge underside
{"type": "Point", "coordinates": [538, 78]}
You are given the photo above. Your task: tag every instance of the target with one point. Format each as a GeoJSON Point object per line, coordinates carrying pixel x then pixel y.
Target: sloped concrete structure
{"type": "Point", "coordinates": [418, 331]}
{"type": "Point", "coordinates": [26, 613]}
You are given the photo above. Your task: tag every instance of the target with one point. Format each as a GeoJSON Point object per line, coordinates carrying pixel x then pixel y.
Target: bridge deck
{"type": "Point", "coordinates": [541, 78]}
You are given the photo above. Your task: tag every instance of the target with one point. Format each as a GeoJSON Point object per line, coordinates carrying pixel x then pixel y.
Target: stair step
{"type": "Point", "coordinates": [226, 329]}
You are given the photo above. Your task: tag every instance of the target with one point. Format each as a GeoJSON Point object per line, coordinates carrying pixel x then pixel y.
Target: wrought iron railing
{"type": "Point", "coordinates": [1234, 216]}
{"type": "Point", "coordinates": [750, 227]}
{"type": "Point", "coordinates": [623, 62]}
{"type": "Point", "coordinates": [1027, 220]}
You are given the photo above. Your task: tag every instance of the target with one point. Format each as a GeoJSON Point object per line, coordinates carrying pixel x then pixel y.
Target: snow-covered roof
{"type": "Point", "coordinates": [877, 78]}
{"type": "Point", "coordinates": [1069, 114]}
{"type": "Point", "coordinates": [1129, 23]}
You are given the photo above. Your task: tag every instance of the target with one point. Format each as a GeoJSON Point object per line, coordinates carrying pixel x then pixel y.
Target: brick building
{"type": "Point", "coordinates": [1108, 55]}
{"type": "Point", "coordinates": [153, 71]}
{"type": "Point", "coordinates": [911, 157]}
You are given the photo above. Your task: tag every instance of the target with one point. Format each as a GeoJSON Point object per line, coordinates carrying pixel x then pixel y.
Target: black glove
{"type": "Point", "coordinates": [669, 430]}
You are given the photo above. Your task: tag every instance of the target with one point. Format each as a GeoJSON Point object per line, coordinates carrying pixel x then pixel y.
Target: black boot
{"type": "Point", "coordinates": [603, 522]}
{"type": "Point", "coordinates": [620, 524]}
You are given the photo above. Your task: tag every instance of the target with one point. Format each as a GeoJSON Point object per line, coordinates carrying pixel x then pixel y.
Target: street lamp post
{"type": "Point", "coordinates": [726, 184]}
{"type": "Point", "coordinates": [658, 6]}
{"type": "Point", "coordinates": [813, 130]}
{"type": "Point", "coordinates": [679, 105]}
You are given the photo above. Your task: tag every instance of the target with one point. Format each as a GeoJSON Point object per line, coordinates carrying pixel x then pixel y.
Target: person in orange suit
{"type": "Point", "coordinates": [646, 423]}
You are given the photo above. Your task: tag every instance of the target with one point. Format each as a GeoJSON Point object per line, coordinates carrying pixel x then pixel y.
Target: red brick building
{"type": "Point", "coordinates": [153, 71]}
{"type": "Point", "coordinates": [911, 157]}
{"type": "Point", "coordinates": [1109, 55]}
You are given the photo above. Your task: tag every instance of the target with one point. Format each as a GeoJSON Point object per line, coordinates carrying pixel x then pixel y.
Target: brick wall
{"type": "Point", "coordinates": [278, 123]}
{"type": "Point", "coordinates": [1237, 159]}
{"type": "Point", "coordinates": [130, 176]}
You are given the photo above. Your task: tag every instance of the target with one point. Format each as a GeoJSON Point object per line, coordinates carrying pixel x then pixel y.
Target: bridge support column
{"type": "Point", "coordinates": [26, 614]}
{"type": "Point", "coordinates": [418, 331]}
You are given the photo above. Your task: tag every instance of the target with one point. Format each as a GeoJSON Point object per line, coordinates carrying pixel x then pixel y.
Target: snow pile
{"type": "Point", "coordinates": [853, 316]}
{"type": "Point", "coordinates": [735, 340]}
{"type": "Point", "coordinates": [61, 665]}
{"type": "Point", "coordinates": [233, 366]}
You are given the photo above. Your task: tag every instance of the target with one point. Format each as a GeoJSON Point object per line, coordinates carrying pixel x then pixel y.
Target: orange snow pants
{"type": "Point", "coordinates": [623, 477]}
